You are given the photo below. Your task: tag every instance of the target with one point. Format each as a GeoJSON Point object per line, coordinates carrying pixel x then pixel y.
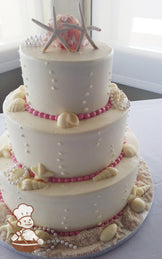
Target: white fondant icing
{"type": "Point", "coordinates": [72, 70]}
{"type": "Point", "coordinates": [78, 144]}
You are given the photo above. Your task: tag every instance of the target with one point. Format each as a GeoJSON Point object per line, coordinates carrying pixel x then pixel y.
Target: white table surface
{"type": "Point", "coordinates": [145, 119]}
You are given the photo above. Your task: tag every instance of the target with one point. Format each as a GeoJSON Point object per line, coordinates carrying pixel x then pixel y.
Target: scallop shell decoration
{"type": "Point", "coordinates": [5, 151]}
{"type": "Point", "coordinates": [67, 120]}
{"type": "Point", "coordinates": [31, 184]}
{"type": "Point", "coordinates": [118, 99]}
{"type": "Point", "coordinates": [108, 233]}
{"type": "Point", "coordinates": [105, 174]}
{"type": "Point", "coordinates": [129, 150]}
{"type": "Point", "coordinates": [133, 194]}
{"type": "Point", "coordinates": [16, 105]}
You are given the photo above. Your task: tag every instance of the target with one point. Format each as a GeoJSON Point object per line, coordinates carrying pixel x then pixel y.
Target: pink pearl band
{"type": "Point", "coordinates": [81, 116]}
{"type": "Point", "coordinates": [73, 179]}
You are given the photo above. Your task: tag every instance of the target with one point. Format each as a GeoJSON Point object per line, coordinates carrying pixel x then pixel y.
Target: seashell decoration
{"type": "Point", "coordinates": [105, 174]}
{"type": "Point", "coordinates": [118, 99]}
{"type": "Point", "coordinates": [129, 150]}
{"type": "Point", "coordinates": [108, 233]}
{"type": "Point", "coordinates": [138, 205]}
{"type": "Point", "coordinates": [19, 93]}
{"type": "Point", "coordinates": [7, 227]}
{"type": "Point", "coordinates": [16, 105]}
{"type": "Point", "coordinates": [132, 194]}
{"type": "Point", "coordinates": [42, 234]}
{"type": "Point", "coordinates": [142, 190]}
{"type": "Point", "coordinates": [31, 184]}
{"type": "Point", "coordinates": [5, 151]}
{"type": "Point", "coordinates": [67, 120]}
{"type": "Point", "coordinates": [18, 174]}
{"type": "Point", "coordinates": [41, 173]}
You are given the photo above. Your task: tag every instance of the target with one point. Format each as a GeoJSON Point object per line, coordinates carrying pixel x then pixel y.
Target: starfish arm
{"type": "Point", "coordinates": [72, 26]}
{"type": "Point", "coordinates": [91, 41]}
{"type": "Point", "coordinates": [42, 25]}
{"type": "Point", "coordinates": [49, 42]}
{"type": "Point", "coordinates": [82, 17]}
{"type": "Point", "coordinates": [80, 41]}
{"type": "Point", "coordinates": [90, 28]}
{"type": "Point", "coordinates": [63, 42]}
{"type": "Point", "coordinates": [54, 18]}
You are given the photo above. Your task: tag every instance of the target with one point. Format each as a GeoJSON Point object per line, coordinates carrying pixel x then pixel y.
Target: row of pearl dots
{"type": "Point", "coordinates": [59, 158]}
{"type": "Point", "coordinates": [53, 79]}
{"type": "Point", "coordinates": [113, 153]}
{"type": "Point", "coordinates": [26, 145]}
{"type": "Point", "coordinates": [97, 213]}
{"type": "Point", "coordinates": [9, 170]}
{"type": "Point", "coordinates": [87, 93]}
{"type": "Point", "coordinates": [53, 242]}
{"type": "Point", "coordinates": [98, 139]}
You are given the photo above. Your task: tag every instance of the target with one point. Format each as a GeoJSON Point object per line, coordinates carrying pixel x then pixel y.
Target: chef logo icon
{"type": "Point", "coordinates": [25, 240]}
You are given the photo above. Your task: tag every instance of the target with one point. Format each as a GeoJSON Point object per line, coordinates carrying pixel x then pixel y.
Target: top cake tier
{"type": "Point", "coordinates": [57, 81]}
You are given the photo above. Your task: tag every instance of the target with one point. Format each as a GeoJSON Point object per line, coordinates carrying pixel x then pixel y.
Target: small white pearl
{"type": "Point", "coordinates": [62, 241]}
{"type": "Point", "coordinates": [66, 243]}
{"type": "Point", "coordinates": [48, 241]}
{"type": "Point", "coordinates": [74, 247]}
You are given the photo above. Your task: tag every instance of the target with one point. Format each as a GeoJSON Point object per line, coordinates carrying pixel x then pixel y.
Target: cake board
{"type": "Point", "coordinates": [130, 220]}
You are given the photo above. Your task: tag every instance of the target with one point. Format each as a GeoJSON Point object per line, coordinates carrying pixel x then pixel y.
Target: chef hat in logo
{"type": "Point", "coordinates": [23, 210]}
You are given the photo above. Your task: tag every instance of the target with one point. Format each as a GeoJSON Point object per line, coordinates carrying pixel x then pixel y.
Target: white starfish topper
{"type": "Point", "coordinates": [55, 32]}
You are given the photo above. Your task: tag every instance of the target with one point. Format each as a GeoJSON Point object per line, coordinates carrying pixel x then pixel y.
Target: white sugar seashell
{"type": "Point", "coordinates": [138, 205]}
{"type": "Point", "coordinates": [67, 120]}
{"type": "Point", "coordinates": [107, 173]}
{"type": "Point", "coordinates": [129, 150]}
{"type": "Point", "coordinates": [108, 233]}
{"type": "Point", "coordinates": [17, 174]}
{"type": "Point", "coordinates": [142, 190]}
{"type": "Point", "coordinates": [42, 234]}
{"type": "Point", "coordinates": [5, 151]}
{"type": "Point", "coordinates": [133, 194]}
{"type": "Point", "coordinates": [16, 105]}
{"type": "Point", "coordinates": [31, 184]}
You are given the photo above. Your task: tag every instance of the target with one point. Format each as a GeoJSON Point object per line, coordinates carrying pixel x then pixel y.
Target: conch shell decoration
{"type": "Point", "coordinates": [67, 120]}
{"type": "Point", "coordinates": [17, 102]}
{"type": "Point", "coordinates": [129, 150]}
{"type": "Point", "coordinates": [135, 201]}
{"type": "Point", "coordinates": [106, 173]}
{"type": "Point", "coordinates": [118, 99]}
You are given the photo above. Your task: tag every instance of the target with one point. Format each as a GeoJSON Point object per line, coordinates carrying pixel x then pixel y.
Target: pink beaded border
{"type": "Point", "coordinates": [68, 233]}
{"type": "Point", "coordinates": [81, 116]}
{"type": "Point", "coordinates": [73, 179]}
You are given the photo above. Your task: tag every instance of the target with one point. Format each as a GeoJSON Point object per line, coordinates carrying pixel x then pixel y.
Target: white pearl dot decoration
{"type": "Point", "coordinates": [46, 63]}
{"type": "Point", "coordinates": [59, 144]}
{"type": "Point", "coordinates": [91, 74]}
{"type": "Point", "coordinates": [86, 94]}
{"type": "Point", "coordinates": [84, 102]}
{"type": "Point", "coordinates": [86, 109]}
{"type": "Point", "coordinates": [91, 86]}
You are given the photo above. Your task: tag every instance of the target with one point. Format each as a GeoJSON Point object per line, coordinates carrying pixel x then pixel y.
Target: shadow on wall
{"type": "Point", "coordinates": [13, 79]}
{"type": "Point", "coordinates": [8, 82]}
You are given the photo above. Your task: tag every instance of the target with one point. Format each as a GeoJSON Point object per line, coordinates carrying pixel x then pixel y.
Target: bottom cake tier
{"type": "Point", "coordinates": [74, 206]}
{"type": "Point", "coordinates": [93, 242]}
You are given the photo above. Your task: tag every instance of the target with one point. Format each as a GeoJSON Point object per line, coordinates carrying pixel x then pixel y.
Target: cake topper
{"type": "Point", "coordinates": [56, 31]}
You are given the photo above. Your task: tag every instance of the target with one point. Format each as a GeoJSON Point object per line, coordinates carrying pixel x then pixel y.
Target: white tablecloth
{"type": "Point", "coordinates": [145, 120]}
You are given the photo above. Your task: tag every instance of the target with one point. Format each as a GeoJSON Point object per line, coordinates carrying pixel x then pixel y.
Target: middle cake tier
{"type": "Point", "coordinates": [70, 152]}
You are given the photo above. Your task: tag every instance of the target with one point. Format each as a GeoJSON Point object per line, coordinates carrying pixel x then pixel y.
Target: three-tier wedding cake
{"type": "Point", "coordinates": [68, 151]}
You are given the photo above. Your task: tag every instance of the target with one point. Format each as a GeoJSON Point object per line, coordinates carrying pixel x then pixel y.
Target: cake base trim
{"type": "Point", "coordinates": [87, 242]}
